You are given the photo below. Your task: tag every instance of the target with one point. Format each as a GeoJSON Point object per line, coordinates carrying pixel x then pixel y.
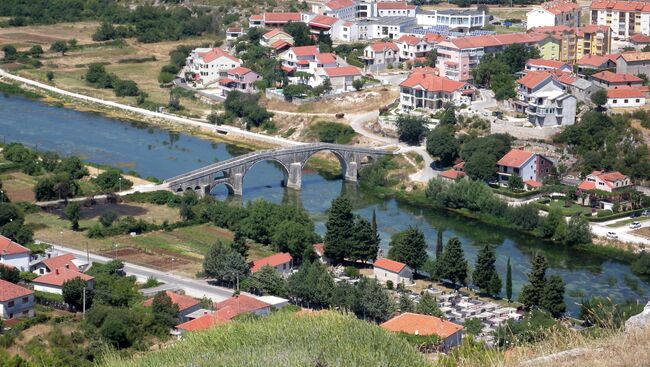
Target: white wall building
{"type": "Point", "coordinates": [342, 9]}
{"type": "Point", "coordinates": [53, 282]}
{"type": "Point", "coordinates": [282, 262]}
{"type": "Point", "coordinates": [381, 28]}
{"type": "Point", "coordinates": [554, 13]}
{"type": "Point", "coordinates": [395, 9]}
{"type": "Point", "coordinates": [15, 301]}
{"type": "Point", "coordinates": [13, 254]}
{"type": "Point", "coordinates": [625, 97]}
{"type": "Point", "coordinates": [544, 100]}
{"type": "Point", "coordinates": [462, 20]}
{"type": "Point", "coordinates": [341, 77]}
{"type": "Point", "coordinates": [385, 270]}
{"type": "Point", "coordinates": [208, 65]}
{"type": "Point", "coordinates": [624, 17]}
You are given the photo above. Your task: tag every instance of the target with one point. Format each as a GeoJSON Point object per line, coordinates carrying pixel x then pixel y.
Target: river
{"type": "Point", "coordinates": [151, 151]}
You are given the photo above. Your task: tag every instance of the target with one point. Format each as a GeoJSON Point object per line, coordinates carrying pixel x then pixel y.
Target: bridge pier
{"type": "Point", "coordinates": [351, 172]}
{"type": "Point", "coordinates": [237, 184]}
{"type": "Point", "coordinates": [294, 180]}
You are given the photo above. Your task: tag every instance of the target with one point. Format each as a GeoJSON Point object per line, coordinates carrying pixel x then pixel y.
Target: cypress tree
{"type": "Point", "coordinates": [553, 297]}
{"type": "Point", "coordinates": [485, 276]}
{"type": "Point", "coordinates": [377, 239]}
{"type": "Point", "coordinates": [365, 246]}
{"type": "Point", "coordinates": [428, 306]}
{"type": "Point", "coordinates": [531, 294]}
{"type": "Point", "coordinates": [452, 265]}
{"type": "Point", "coordinates": [509, 281]}
{"type": "Point", "coordinates": [340, 225]}
{"type": "Point", "coordinates": [239, 244]}
{"type": "Point", "coordinates": [439, 246]}
{"type": "Point", "coordinates": [409, 247]}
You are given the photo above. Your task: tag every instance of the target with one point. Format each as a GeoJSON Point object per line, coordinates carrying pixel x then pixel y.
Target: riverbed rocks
{"type": "Point", "coordinates": [641, 320]}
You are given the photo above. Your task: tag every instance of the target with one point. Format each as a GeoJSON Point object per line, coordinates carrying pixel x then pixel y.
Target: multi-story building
{"type": "Point", "coordinates": [307, 59]}
{"type": "Point", "coordinates": [568, 44]}
{"type": "Point", "coordinates": [270, 38]}
{"type": "Point", "coordinates": [547, 65]}
{"type": "Point", "coordinates": [15, 301]}
{"type": "Point", "coordinates": [337, 29]}
{"type": "Point", "coordinates": [383, 28]}
{"type": "Point", "coordinates": [625, 97]}
{"type": "Point", "coordinates": [412, 48]}
{"type": "Point", "coordinates": [458, 56]}
{"type": "Point", "coordinates": [554, 13]}
{"type": "Point", "coordinates": [340, 77]}
{"type": "Point", "coordinates": [455, 19]}
{"type": "Point", "coordinates": [593, 40]}
{"type": "Point", "coordinates": [395, 9]}
{"type": "Point", "coordinates": [544, 100]}
{"type": "Point", "coordinates": [342, 9]}
{"type": "Point", "coordinates": [276, 20]}
{"type": "Point", "coordinates": [241, 79]}
{"type": "Point", "coordinates": [430, 92]}
{"type": "Point", "coordinates": [624, 17]}
{"type": "Point", "coordinates": [633, 63]}
{"type": "Point", "coordinates": [531, 167]}
{"type": "Point", "coordinates": [14, 255]}
{"type": "Point", "coordinates": [607, 79]}
{"type": "Point", "coordinates": [207, 65]}
{"type": "Point", "coordinates": [605, 181]}
{"type": "Point", "coordinates": [378, 55]}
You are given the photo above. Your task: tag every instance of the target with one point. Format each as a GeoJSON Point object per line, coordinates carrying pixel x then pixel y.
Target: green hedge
{"type": "Point", "coordinates": [515, 195]}
{"type": "Point", "coordinates": [613, 216]}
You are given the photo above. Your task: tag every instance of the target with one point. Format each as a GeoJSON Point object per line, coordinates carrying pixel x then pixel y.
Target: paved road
{"type": "Point", "coordinates": [193, 287]}
{"type": "Point", "coordinates": [393, 79]}
{"type": "Point", "coordinates": [624, 233]}
{"type": "Point", "coordinates": [140, 188]}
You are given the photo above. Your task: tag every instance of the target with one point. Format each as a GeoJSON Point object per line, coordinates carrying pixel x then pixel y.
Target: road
{"type": "Point", "coordinates": [193, 287]}
{"type": "Point", "coordinates": [134, 189]}
{"type": "Point", "coordinates": [624, 233]}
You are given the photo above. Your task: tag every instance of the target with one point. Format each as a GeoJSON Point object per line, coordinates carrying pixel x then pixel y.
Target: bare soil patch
{"type": "Point", "coordinates": [158, 259]}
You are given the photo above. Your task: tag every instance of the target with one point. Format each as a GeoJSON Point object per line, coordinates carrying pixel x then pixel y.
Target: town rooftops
{"type": "Point", "coordinates": [609, 178]}
{"type": "Point", "coordinates": [275, 32]}
{"type": "Point", "coordinates": [62, 261]}
{"type": "Point", "coordinates": [625, 6]}
{"type": "Point", "coordinates": [623, 92]}
{"type": "Point", "coordinates": [640, 39]}
{"type": "Point", "coordinates": [433, 38]}
{"type": "Point", "coordinates": [323, 20]}
{"type": "Point", "coordinates": [342, 71]}
{"type": "Point", "coordinates": [216, 53]}
{"type": "Point", "coordinates": [273, 260]}
{"type": "Point", "coordinates": [61, 275]}
{"type": "Point", "coordinates": [281, 17]}
{"type": "Point", "coordinates": [383, 46]}
{"type": "Point", "coordinates": [496, 40]}
{"type": "Point", "coordinates": [9, 247]}
{"type": "Point", "coordinates": [390, 5]}
{"type": "Point", "coordinates": [610, 77]}
{"type": "Point", "coordinates": [591, 28]}
{"type": "Point", "coordinates": [319, 249]}
{"type": "Point", "coordinates": [390, 265]}
{"type": "Point", "coordinates": [240, 70]}
{"type": "Point", "coordinates": [220, 316]}
{"type": "Point", "coordinates": [302, 51]}
{"type": "Point", "coordinates": [234, 30]}
{"type": "Point", "coordinates": [635, 56]}
{"type": "Point", "coordinates": [339, 4]}
{"type": "Point", "coordinates": [425, 70]}
{"type": "Point", "coordinates": [515, 158]}
{"type": "Point", "coordinates": [533, 78]}
{"type": "Point", "coordinates": [559, 6]}
{"type": "Point", "coordinates": [452, 174]}
{"type": "Point", "coordinates": [242, 304]}
{"type": "Point", "coordinates": [325, 58]}
{"type": "Point", "coordinates": [596, 60]}
{"type": "Point", "coordinates": [551, 64]}
{"type": "Point", "coordinates": [432, 83]}
{"type": "Point", "coordinates": [417, 324]}
{"type": "Point", "coordinates": [183, 302]}
{"type": "Point", "coordinates": [409, 40]}
{"type": "Point", "coordinates": [9, 291]}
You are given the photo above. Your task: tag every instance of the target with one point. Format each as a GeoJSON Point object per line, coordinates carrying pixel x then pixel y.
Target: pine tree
{"type": "Point", "coordinates": [553, 297]}
{"type": "Point", "coordinates": [339, 235]}
{"type": "Point", "coordinates": [509, 281]}
{"type": "Point", "coordinates": [364, 246]}
{"type": "Point", "coordinates": [428, 306]}
{"type": "Point", "coordinates": [485, 276]}
{"type": "Point", "coordinates": [375, 232]}
{"type": "Point", "coordinates": [452, 265]}
{"type": "Point", "coordinates": [405, 303]}
{"type": "Point", "coordinates": [239, 244]}
{"type": "Point", "coordinates": [409, 247]}
{"type": "Point", "coordinates": [439, 246]}
{"type": "Point", "coordinates": [531, 294]}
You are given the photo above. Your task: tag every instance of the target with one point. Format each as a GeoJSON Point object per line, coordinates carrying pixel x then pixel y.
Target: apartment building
{"type": "Point", "coordinates": [207, 65]}
{"type": "Point", "coordinates": [383, 28]}
{"type": "Point", "coordinates": [568, 44]}
{"type": "Point", "coordinates": [394, 9]}
{"type": "Point", "coordinates": [457, 57]}
{"type": "Point", "coordinates": [277, 20]}
{"type": "Point", "coordinates": [430, 92]}
{"type": "Point", "coordinates": [633, 63]}
{"type": "Point", "coordinates": [531, 167]}
{"type": "Point", "coordinates": [378, 55]}
{"type": "Point", "coordinates": [554, 13]}
{"type": "Point", "coordinates": [544, 100]}
{"type": "Point", "coordinates": [455, 19]}
{"type": "Point", "coordinates": [625, 18]}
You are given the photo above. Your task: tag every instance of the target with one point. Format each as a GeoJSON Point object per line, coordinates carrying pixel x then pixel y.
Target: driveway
{"type": "Point", "coordinates": [392, 79]}
{"type": "Point", "coordinates": [624, 232]}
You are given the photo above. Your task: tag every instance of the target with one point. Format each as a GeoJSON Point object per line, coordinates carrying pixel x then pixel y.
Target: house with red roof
{"type": "Point", "coordinates": [607, 79]}
{"type": "Point", "coordinates": [341, 77]}
{"type": "Point", "coordinates": [282, 262]}
{"type": "Point", "coordinates": [208, 65]}
{"type": "Point", "coordinates": [624, 17]}
{"type": "Point", "coordinates": [547, 65]}
{"type": "Point", "coordinates": [342, 9]}
{"type": "Point", "coordinates": [633, 63]}
{"type": "Point", "coordinates": [425, 325]}
{"type": "Point", "coordinates": [625, 97]}
{"type": "Point", "coordinates": [385, 269]}
{"type": "Point", "coordinates": [13, 254]}
{"type": "Point", "coordinates": [640, 40]}
{"type": "Point", "coordinates": [378, 55]}
{"type": "Point", "coordinates": [461, 20]}
{"type": "Point", "coordinates": [232, 33]}
{"type": "Point", "coordinates": [271, 37]}
{"type": "Point", "coordinates": [240, 79]}
{"type": "Point", "coordinates": [186, 304]}
{"type": "Point", "coordinates": [430, 92]}
{"type": "Point", "coordinates": [244, 304]}
{"type": "Point", "coordinates": [276, 19]}
{"type": "Point", "coordinates": [605, 181]}
{"type": "Point", "coordinates": [49, 263]}
{"type": "Point", "coordinates": [53, 282]}
{"type": "Point", "coordinates": [15, 301]}
{"type": "Point", "coordinates": [396, 9]}
{"type": "Point", "coordinates": [554, 13]}
{"type": "Point", "coordinates": [412, 47]}
{"type": "Point", "coordinates": [597, 62]}
{"type": "Point", "coordinates": [543, 98]}
{"type": "Point", "coordinates": [531, 167]}
{"type": "Point", "coordinates": [455, 173]}
{"type": "Point", "coordinates": [338, 29]}
{"type": "Point", "coordinates": [307, 59]}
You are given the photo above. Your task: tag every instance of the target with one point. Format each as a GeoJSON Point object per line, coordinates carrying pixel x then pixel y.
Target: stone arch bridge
{"type": "Point", "coordinates": [231, 172]}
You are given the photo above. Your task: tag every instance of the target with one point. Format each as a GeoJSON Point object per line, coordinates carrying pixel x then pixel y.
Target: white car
{"type": "Point", "coordinates": [612, 235]}
{"type": "Point", "coordinates": [635, 225]}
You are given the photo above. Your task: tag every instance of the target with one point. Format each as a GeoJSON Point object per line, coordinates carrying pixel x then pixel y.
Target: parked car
{"type": "Point", "coordinates": [635, 225]}
{"type": "Point", "coordinates": [644, 213]}
{"type": "Point", "coordinates": [612, 235]}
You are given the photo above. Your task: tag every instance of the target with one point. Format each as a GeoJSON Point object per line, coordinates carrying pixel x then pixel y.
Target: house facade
{"type": "Point", "coordinates": [209, 65]}
{"type": "Point", "coordinates": [276, 20]}
{"type": "Point", "coordinates": [547, 65]}
{"type": "Point", "coordinates": [544, 100]}
{"type": "Point", "coordinates": [241, 79]}
{"type": "Point", "coordinates": [625, 97]}
{"type": "Point", "coordinates": [341, 77]}
{"type": "Point", "coordinates": [605, 181]}
{"type": "Point", "coordinates": [430, 92]}
{"type": "Point", "coordinates": [232, 33]}
{"type": "Point", "coordinates": [13, 254]}
{"type": "Point", "coordinates": [383, 28]}
{"type": "Point", "coordinates": [633, 63]}
{"type": "Point", "coordinates": [48, 264]}
{"type": "Point", "coordinates": [412, 48]}
{"type": "Point", "coordinates": [395, 8]}
{"type": "Point", "coordinates": [385, 270]}
{"type": "Point", "coordinates": [531, 167]}
{"type": "Point", "coordinates": [425, 325]}
{"type": "Point", "coordinates": [273, 36]}
{"type": "Point", "coordinates": [624, 17]}
{"type": "Point", "coordinates": [456, 19]}
{"type": "Point", "coordinates": [342, 9]}
{"type": "Point", "coordinates": [53, 282]}
{"type": "Point", "coordinates": [378, 55]}
{"type": "Point", "coordinates": [15, 301]}
{"type": "Point", "coordinates": [568, 44]}
{"type": "Point", "coordinates": [554, 13]}
{"type": "Point", "coordinates": [282, 262]}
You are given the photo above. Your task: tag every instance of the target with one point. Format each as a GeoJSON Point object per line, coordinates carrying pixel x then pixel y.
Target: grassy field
{"type": "Point", "coordinates": [568, 211]}
{"type": "Point", "coordinates": [18, 186]}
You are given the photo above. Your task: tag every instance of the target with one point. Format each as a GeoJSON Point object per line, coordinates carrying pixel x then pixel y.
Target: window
{"type": "Point", "coordinates": [11, 304]}
{"type": "Point", "coordinates": [25, 299]}
{"type": "Point", "coordinates": [625, 101]}
{"type": "Point", "coordinates": [638, 100]}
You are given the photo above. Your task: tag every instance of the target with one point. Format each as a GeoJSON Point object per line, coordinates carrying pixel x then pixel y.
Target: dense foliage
{"type": "Point", "coordinates": [498, 71]}
{"type": "Point", "coordinates": [411, 129]}
{"type": "Point", "coordinates": [347, 236]}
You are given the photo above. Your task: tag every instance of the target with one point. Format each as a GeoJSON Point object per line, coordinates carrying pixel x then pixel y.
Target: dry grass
{"type": "Point", "coordinates": [18, 186]}
{"type": "Point", "coordinates": [44, 35]}
{"type": "Point", "coordinates": [352, 102]}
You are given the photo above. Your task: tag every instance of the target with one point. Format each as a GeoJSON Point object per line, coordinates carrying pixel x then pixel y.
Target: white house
{"type": "Point", "coordinates": [455, 19]}
{"type": "Point", "coordinates": [378, 55]}
{"type": "Point", "coordinates": [605, 181]}
{"type": "Point", "coordinates": [427, 91]}
{"type": "Point", "coordinates": [186, 304]}
{"type": "Point", "coordinates": [625, 97]}
{"type": "Point", "coordinates": [15, 301]}
{"type": "Point", "coordinates": [13, 254]}
{"type": "Point", "coordinates": [547, 65]}
{"type": "Point", "coordinates": [554, 13]}
{"type": "Point", "coordinates": [342, 9]}
{"type": "Point", "coordinates": [412, 48]}
{"type": "Point", "coordinates": [207, 65]}
{"type": "Point", "coordinates": [53, 282]}
{"type": "Point", "coordinates": [531, 167]}
{"type": "Point", "coordinates": [232, 33]}
{"type": "Point", "coordinates": [544, 99]}
{"type": "Point", "coordinates": [338, 29]}
{"type": "Point", "coordinates": [48, 264]}
{"type": "Point", "coordinates": [341, 77]}
{"type": "Point", "coordinates": [395, 8]}
{"type": "Point", "coordinates": [282, 262]}
{"type": "Point", "coordinates": [385, 270]}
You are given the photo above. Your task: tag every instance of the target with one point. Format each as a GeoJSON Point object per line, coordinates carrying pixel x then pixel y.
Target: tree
{"type": "Point", "coordinates": [10, 52]}
{"type": "Point", "coordinates": [577, 231]}
{"type": "Point", "coordinates": [448, 116]}
{"type": "Point", "coordinates": [531, 294]}
{"type": "Point", "coordinates": [73, 214]}
{"type": "Point", "coordinates": [116, 331]}
{"type": "Point", "coordinates": [295, 90]}
{"type": "Point", "coordinates": [409, 247]}
{"type": "Point", "coordinates": [223, 263]}
{"type": "Point", "coordinates": [411, 129]}
{"type": "Point", "coordinates": [515, 183]}
{"type": "Point", "coordinates": [358, 84]}
{"type": "Point", "coordinates": [300, 33]}
{"type": "Point", "coordinates": [452, 265]}
{"type": "Point", "coordinates": [239, 244]}
{"type": "Point", "coordinates": [473, 326]}
{"type": "Point", "coordinates": [267, 280]}
{"type": "Point", "coordinates": [553, 296]}
{"type": "Point", "coordinates": [311, 284]}
{"type": "Point", "coordinates": [125, 88]}
{"type": "Point", "coordinates": [485, 276]}
{"type": "Point", "coordinates": [439, 244]}
{"type": "Point", "coordinates": [165, 312]}
{"type": "Point", "coordinates": [60, 46]}
{"type": "Point", "coordinates": [293, 237]}
{"type": "Point", "coordinates": [509, 281]}
{"type": "Point", "coordinates": [599, 98]}
{"type": "Point", "coordinates": [50, 76]}
{"type": "Point", "coordinates": [215, 118]}
{"type": "Point", "coordinates": [112, 180]}
{"type": "Point", "coordinates": [339, 226]}
{"type": "Point", "coordinates": [428, 305]}
{"type": "Point", "coordinates": [365, 241]}
{"type": "Point", "coordinates": [73, 293]}
{"type": "Point", "coordinates": [481, 167]}
{"type": "Point", "coordinates": [405, 304]}
{"type": "Point", "coordinates": [549, 225]}
{"type": "Point", "coordinates": [12, 275]}
{"type": "Point", "coordinates": [374, 303]}
{"type": "Point", "coordinates": [36, 51]}
{"type": "Point", "coordinates": [442, 143]}
{"type": "Point", "coordinates": [107, 218]}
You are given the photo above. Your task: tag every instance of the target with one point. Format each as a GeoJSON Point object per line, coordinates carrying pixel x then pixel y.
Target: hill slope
{"type": "Point", "coordinates": [282, 339]}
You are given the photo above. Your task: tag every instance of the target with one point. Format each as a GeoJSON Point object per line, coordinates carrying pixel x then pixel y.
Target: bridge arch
{"type": "Point", "coordinates": [339, 156]}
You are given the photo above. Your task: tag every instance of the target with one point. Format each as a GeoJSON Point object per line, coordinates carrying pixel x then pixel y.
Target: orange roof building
{"type": "Point", "coordinates": [13, 254]}
{"type": "Point", "coordinates": [282, 262]}
{"type": "Point", "coordinates": [527, 165]}
{"type": "Point", "coordinates": [244, 304]}
{"type": "Point", "coordinates": [605, 181]}
{"type": "Point", "coordinates": [554, 13]}
{"type": "Point", "coordinates": [386, 270]}
{"type": "Point", "coordinates": [607, 79]}
{"type": "Point", "coordinates": [428, 91]}
{"type": "Point", "coordinates": [51, 263]}
{"type": "Point", "coordinates": [186, 304]}
{"type": "Point", "coordinates": [53, 282]}
{"type": "Point", "coordinates": [15, 301]}
{"type": "Point", "coordinates": [425, 325]}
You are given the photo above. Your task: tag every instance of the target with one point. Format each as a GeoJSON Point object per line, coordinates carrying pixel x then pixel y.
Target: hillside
{"type": "Point", "coordinates": [324, 339]}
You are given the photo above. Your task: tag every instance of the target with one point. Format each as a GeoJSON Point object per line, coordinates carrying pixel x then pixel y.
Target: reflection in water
{"type": "Point", "coordinates": [159, 153]}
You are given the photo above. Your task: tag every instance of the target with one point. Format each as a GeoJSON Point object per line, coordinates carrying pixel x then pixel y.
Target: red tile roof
{"type": "Point", "coordinates": [432, 83]}
{"type": "Point", "coordinates": [533, 78]}
{"type": "Point", "coordinates": [640, 39]}
{"type": "Point", "coordinates": [433, 38]}
{"type": "Point", "coordinates": [565, 78]}
{"type": "Point", "coordinates": [390, 5]}
{"type": "Point", "coordinates": [593, 60]}
{"type": "Point", "coordinates": [302, 51]}
{"type": "Point", "coordinates": [216, 53]}
{"type": "Point", "coordinates": [326, 58]}
{"type": "Point", "coordinates": [623, 92]}
{"type": "Point", "coordinates": [586, 185]}
{"type": "Point", "coordinates": [390, 265]}
{"type": "Point", "coordinates": [496, 40]}
{"type": "Point", "coordinates": [552, 64]}
{"type": "Point", "coordinates": [635, 56]}
{"type": "Point", "coordinates": [234, 30]}
{"type": "Point", "coordinates": [424, 325]}
{"type": "Point", "coordinates": [281, 17]}
{"type": "Point", "coordinates": [533, 183]}
{"type": "Point", "coordinates": [61, 275]}
{"type": "Point", "coordinates": [226, 81]}
{"type": "Point", "coordinates": [339, 4]}
{"type": "Point", "coordinates": [560, 6]}
{"type": "Point", "coordinates": [425, 70]}
{"type": "Point", "coordinates": [274, 33]}
{"type": "Point", "coordinates": [323, 20]}
{"type": "Point", "coordinates": [273, 260]}
{"type": "Point", "coordinates": [9, 247]}
{"type": "Point", "coordinates": [208, 321]}
{"type": "Point", "coordinates": [452, 174]}
{"type": "Point", "coordinates": [627, 6]}
{"type": "Point", "coordinates": [240, 70]}
{"type": "Point", "coordinates": [409, 40]}
{"type": "Point", "coordinates": [319, 249]}
{"type": "Point", "coordinates": [611, 176]}
{"type": "Point", "coordinates": [242, 304]}
{"type": "Point", "coordinates": [383, 46]}
{"type": "Point", "coordinates": [279, 44]}
{"type": "Point", "coordinates": [459, 166]}
{"type": "Point", "coordinates": [183, 302]}
{"type": "Point", "coordinates": [342, 71]}
{"type": "Point", "coordinates": [515, 158]}
{"type": "Point", "coordinates": [9, 291]}
{"type": "Point", "coordinates": [610, 77]}
{"type": "Point", "coordinates": [60, 262]}
{"type": "Point", "coordinates": [591, 28]}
